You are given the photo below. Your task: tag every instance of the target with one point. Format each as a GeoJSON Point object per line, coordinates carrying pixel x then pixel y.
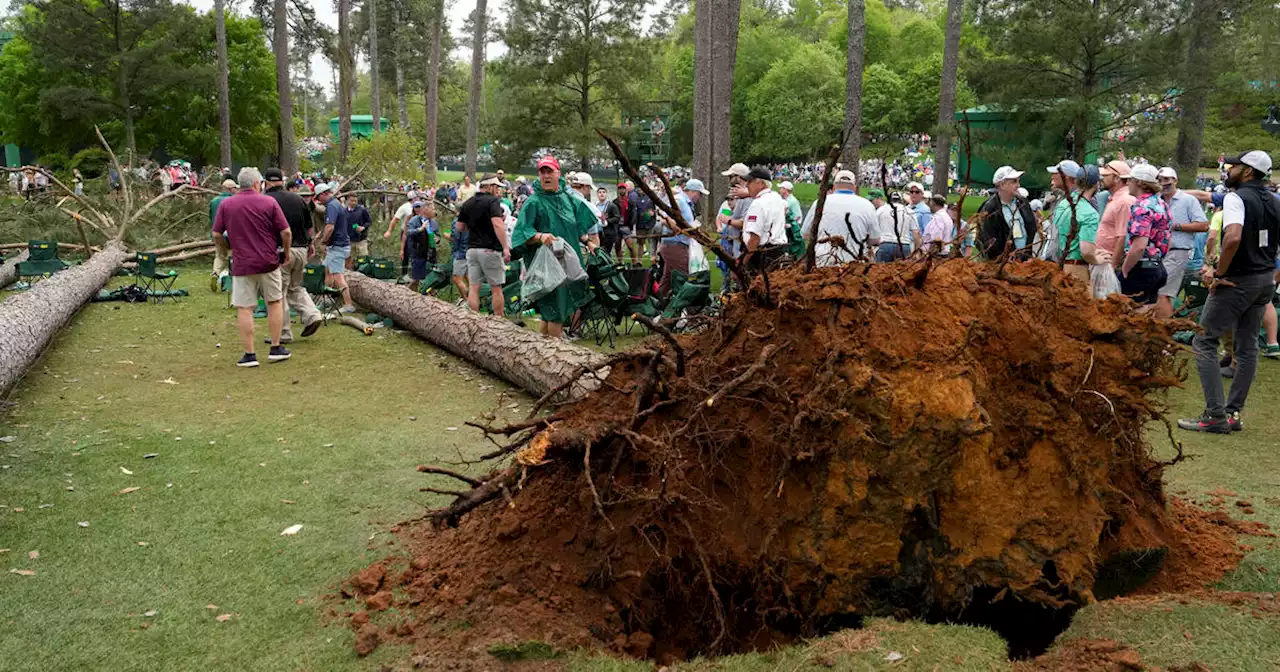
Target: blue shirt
{"type": "Point", "coordinates": [1184, 209]}
{"type": "Point", "coordinates": [1196, 262]}
{"type": "Point", "coordinates": [460, 239]}
{"type": "Point", "coordinates": [923, 215]}
{"type": "Point", "coordinates": [686, 213]}
{"type": "Point", "coordinates": [336, 215]}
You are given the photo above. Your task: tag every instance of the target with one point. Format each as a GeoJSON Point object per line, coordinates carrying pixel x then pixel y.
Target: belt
{"type": "Point", "coordinates": [1076, 262]}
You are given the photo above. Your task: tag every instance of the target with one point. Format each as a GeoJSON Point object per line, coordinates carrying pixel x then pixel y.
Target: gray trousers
{"type": "Point", "coordinates": [295, 295]}
{"type": "Point", "coordinates": [1236, 309]}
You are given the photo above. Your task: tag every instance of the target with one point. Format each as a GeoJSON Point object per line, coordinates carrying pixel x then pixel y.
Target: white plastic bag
{"type": "Point", "coordinates": [1103, 280]}
{"type": "Point", "coordinates": [544, 275]}
{"type": "Point", "coordinates": [697, 258]}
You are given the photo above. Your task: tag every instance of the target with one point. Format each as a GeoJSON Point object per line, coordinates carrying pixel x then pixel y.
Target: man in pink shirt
{"type": "Point", "coordinates": [257, 230]}
{"type": "Point", "coordinates": [1115, 216]}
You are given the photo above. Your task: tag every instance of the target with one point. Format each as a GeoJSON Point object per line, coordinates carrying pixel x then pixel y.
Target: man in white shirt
{"type": "Point", "coordinates": [938, 234]}
{"type": "Point", "coordinates": [765, 228]}
{"type": "Point", "coordinates": [857, 233]}
{"type": "Point", "coordinates": [897, 227]}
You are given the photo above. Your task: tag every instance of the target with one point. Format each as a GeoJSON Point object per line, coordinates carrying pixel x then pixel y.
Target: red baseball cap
{"type": "Point", "coordinates": [548, 161]}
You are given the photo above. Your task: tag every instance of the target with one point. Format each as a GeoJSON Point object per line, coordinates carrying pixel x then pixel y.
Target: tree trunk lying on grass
{"type": "Point", "coordinates": [174, 258]}
{"type": "Point", "coordinates": [9, 271]}
{"type": "Point", "coordinates": [29, 321]}
{"type": "Point", "coordinates": [533, 362]}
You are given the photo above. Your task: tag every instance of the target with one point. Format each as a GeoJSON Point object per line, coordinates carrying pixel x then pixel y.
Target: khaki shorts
{"type": "Point", "coordinates": [245, 289]}
{"type": "Point", "coordinates": [483, 264]}
{"type": "Point", "coordinates": [360, 249]}
{"type": "Point", "coordinates": [1175, 264]}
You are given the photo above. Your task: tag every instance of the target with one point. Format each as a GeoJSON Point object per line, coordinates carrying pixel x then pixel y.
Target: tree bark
{"type": "Point", "coordinates": [224, 84]}
{"type": "Point", "coordinates": [30, 320]}
{"type": "Point", "coordinates": [519, 356]}
{"type": "Point", "coordinates": [345, 77]}
{"type": "Point", "coordinates": [947, 98]}
{"type": "Point", "coordinates": [703, 69]}
{"type": "Point", "coordinates": [402, 100]}
{"type": "Point", "coordinates": [9, 270]}
{"type": "Point", "coordinates": [477, 85]}
{"type": "Point", "coordinates": [433, 88]}
{"type": "Point", "coordinates": [288, 156]}
{"type": "Point", "coordinates": [724, 54]}
{"type": "Point", "coordinates": [375, 97]}
{"type": "Point", "coordinates": [852, 154]}
{"type": "Point", "coordinates": [1195, 100]}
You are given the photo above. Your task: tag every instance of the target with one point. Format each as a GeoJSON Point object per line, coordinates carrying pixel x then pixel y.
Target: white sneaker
{"type": "Point", "coordinates": [347, 310]}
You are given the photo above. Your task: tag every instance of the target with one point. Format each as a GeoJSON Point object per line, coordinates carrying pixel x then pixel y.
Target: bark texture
{"type": "Point", "coordinates": [375, 97]}
{"type": "Point", "coordinates": [346, 79]}
{"type": "Point", "coordinates": [30, 320]}
{"type": "Point", "coordinates": [280, 45]}
{"type": "Point", "coordinates": [947, 98]}
{"type": "Point", "coordinates": [853, 85]}
{"type": "Point", "coordinates": [724, 54]}
{"type": "Point", "coordinates": [703, 68]}
{"type": "Point", "coordinates": [477, 85]}
{"type": "Point", "coordinates": [9, 271]}
{"type": "Point", "coordinates": [1195, 101]}
{"type": "Point", "coordinates": [521, 357]}
{"type": "Point", "coordinates": [433, 88]}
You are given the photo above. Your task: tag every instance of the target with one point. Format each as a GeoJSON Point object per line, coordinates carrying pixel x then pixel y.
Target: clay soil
{"type": "Point", "coordinates": [944, 441]}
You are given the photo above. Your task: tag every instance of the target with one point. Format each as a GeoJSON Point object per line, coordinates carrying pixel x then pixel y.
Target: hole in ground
{"type": "Point", "coordinates": [1028, 628]}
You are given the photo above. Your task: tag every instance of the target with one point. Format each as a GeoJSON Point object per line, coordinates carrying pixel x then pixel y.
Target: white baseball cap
{"type": "Point", "coordinates": [786, 184]}
{"type": "Point", "coordinates": [1069, 168]}
{"type": "Point", "coordinates": [1167, 171]}
{"type": "Point", "coordinates": [1006, 173]}
{"type": "Point", "coordinates": [911, 186]}
{"type": "Point", "coordinates": [582, 180]}
{"type": "Point", "coordinates": [324, 187]}
{"type": "Point", "coordinates": [1145, 172]}
{"type": "Point", "coordinates": [739, 169]}
{"type": "Point", "coordinates": [847, 177]}
{"type": "Point", "coordinates": [1256, 159]}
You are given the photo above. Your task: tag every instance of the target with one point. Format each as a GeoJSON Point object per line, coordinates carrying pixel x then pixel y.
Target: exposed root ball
{"type": "Point", "coordinates": [942, 441]}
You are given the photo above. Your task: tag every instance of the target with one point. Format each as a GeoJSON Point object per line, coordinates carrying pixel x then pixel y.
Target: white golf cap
{"type": "Point", "coordinates": [582, 180]}
{"type": "Point", "coordinates": [913, 186]}
{"type": "Point", "coordinates": [846, 177]}
{"type": "Point", "coordinates": [1069, 168]}
{"type": "Point", "coordinates": [1006, 173]}
{"type": "Point", "coordinates": [1145, 172]}
{"type": "Point", "coordinates": [786, 184]}
{"type": "Point", "coordinates": [696, 185]}
{"type": "Point", "coordinates": [1257, 159]}
{"type": "Point", "coordinates": [738, 169]}
{"type": "Point", "coordinates": [324, 187]}
{"type": "Point", "coordinates": [1167, 171]}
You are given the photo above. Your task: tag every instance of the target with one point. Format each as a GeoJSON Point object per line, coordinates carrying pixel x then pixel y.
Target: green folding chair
{"type": "Point", "coordinates": [326, 298]}
{"type": "Point", "coordinates": [156, 283]}
{"type": "Point", "coordinates": [42, 261]}
{"type": "Point", "coordinates": [384, 269]}
{"type": "Point", "coordinates": [688, 292]}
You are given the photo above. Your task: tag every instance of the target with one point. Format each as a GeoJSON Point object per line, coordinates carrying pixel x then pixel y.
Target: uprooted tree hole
{"type": "Point", "coordinates": [949, 442]}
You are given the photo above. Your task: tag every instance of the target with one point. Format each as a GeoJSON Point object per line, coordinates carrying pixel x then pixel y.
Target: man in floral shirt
{"type": "Point", "coordinates": [1141, 273]}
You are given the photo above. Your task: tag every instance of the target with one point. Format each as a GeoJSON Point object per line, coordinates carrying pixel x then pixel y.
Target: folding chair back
{"type": "Point", "coordinates": [42, 250]}
{"type": "Point", "coordinates": [158, 285]}
{"type": "Point", "coordinates": [147, 264]}
{"type": "Point", "coordinates": [313, 279]}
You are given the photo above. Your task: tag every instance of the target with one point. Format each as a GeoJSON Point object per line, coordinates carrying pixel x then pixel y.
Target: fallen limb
{"type": "Point", "coordinates": [428, 469]}
{"type": "Point", "coordinates": [179, 247]}
{"type": "Point", "coordinates": [490, 488]}
{"type": "Point", "coordinates": [356, 323]}
{"type": "Point", "coordinates": [9, 271]}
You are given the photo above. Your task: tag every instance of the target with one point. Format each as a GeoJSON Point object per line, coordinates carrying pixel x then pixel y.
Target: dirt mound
{"type": "Point", "coordinates": [1203, 550]}
{"type": "Point", "coordinates": [940, 441]}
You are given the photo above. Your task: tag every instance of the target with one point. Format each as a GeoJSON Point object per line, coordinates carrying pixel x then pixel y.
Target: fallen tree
{"type": "Point", "coordinates": [9, 271]}
{"type": "Point", "coordinates": [524, 358]}
{"type": "Point", "coordinates": [30, 320]}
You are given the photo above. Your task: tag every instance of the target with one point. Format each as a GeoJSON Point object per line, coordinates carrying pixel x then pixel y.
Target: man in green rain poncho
{"type": "Point", "coordinates": [552, 212]}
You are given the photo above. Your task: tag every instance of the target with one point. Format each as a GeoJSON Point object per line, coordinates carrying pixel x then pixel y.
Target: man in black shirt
{"type": "Point", "coordinates": [298, 214]}
{"type": "Point", "coordinates": [1240, 287]}
{"type": "Point", "coordinates": [360, 220]}
{"type": "Point", "coordinates": [488, 248]}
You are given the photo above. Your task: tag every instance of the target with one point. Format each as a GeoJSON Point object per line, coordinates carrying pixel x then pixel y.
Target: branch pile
{"type": "Point", "coordinates": [933, 439]}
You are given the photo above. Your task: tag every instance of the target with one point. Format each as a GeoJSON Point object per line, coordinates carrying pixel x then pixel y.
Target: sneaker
{"type": "Point", "coordinates": [347, 310]}
{"type": "Point", "coordinates": [310, 329]}
{"type": "Point", "coordinates": [284, 340]}
{"type": "Point", "coordinates": [249, 360]}
{"type": "Point", "coordinates": [213, 283]}
{"type": "Point", "coordinates": [1271, 351]}
{"type": "Point", "coordinates": [1225, 361]}
{"type": "Point", "coordinates": [1206, 423]}
{"type": "Point", "coordinates": [1228, 372]}
{"type": "Point", "coordinates": [278, 353]}
{"type": "Point", "coordinates": [1233, 421]}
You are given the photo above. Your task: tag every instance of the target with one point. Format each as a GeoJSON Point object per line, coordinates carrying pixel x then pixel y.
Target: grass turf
{"type": "Point", "coordinates": [247, 454]}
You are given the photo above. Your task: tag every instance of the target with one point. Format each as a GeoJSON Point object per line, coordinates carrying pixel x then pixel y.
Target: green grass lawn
{"type": "Point", "coordinates": [330, 440]}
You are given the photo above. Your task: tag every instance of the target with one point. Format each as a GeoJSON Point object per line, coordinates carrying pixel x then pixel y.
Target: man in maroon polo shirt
{"type": "Point", "coordinates": [257, 230]}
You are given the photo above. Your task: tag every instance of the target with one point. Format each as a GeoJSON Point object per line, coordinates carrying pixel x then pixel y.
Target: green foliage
{"type": "Point", "coordinates": [92, 162]}
{"type": "Point", "coordinates": [799, 104]}
{"type": "Point", "coordinates": [883, 94]}
{"type": "Point", "coordinates": [63, 73]}
{"type": "Point", "coordinates": [393, 154]}
{"type": "Point", "coordinates": [55, 161]}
